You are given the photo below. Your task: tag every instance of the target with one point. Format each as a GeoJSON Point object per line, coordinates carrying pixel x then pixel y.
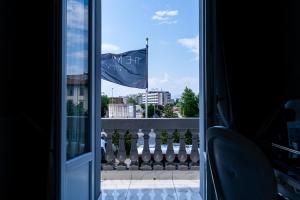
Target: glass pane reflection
{"type": "Point", "coordinates": [77, 78]}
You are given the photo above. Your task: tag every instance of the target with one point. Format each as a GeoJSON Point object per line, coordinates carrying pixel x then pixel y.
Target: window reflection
{"type": "Point", "coordinates": [77, 78]}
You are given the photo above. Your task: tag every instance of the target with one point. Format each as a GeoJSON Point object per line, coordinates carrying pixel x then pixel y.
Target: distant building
{"type": "Point", "coordinates": [136, 97]}
{"type": "Point", "coordinates": [138, 111]}
{"type": "Point", "coordinates": [77, 90]}
{"type": "Point", "coordinates": [121, 111]}
{"type": "Point", "coordinates": [139, 99]}
{"type": "Point", "coordinates": [157, 97]}
{"type": "Point", "coordinates": [116, 100]}
{"type": "Point", "coordinates": [125, 99]}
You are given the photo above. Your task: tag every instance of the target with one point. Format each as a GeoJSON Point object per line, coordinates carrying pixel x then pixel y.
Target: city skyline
{"type": "Point", "coordinates": [112, 94]}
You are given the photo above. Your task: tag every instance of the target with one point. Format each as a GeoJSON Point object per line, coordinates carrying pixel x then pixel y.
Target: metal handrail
{"type": "Point", "coordinates": [286, 148]}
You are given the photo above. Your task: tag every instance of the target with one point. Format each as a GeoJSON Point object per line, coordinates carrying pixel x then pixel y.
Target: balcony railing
{"type": "Point", "coordinates": [146, 151]}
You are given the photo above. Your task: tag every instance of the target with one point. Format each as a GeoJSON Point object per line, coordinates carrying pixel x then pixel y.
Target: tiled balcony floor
{"type": "Point", "coordinates": [167, 185]}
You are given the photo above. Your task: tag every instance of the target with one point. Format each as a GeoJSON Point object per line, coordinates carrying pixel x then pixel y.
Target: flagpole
{"type": "Point", "coordinates": [146, 114]}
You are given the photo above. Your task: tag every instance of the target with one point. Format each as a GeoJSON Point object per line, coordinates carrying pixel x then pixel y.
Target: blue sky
{"type": "Point", "coordinates": [173, 30]}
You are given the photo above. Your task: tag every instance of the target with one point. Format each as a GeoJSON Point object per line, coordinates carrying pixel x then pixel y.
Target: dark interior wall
{"type": "Point", "coordinates": [292, 48]}
{"type": "Point", "coordinates": [27, 83]}
{"type": "Point", "coordinates": [252, 40]}
{"type": "Point", "coordinates": [260, 47]}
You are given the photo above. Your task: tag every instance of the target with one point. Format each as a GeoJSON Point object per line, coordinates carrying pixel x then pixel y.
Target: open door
{"type": "Point", "coordinates": [78, 103]}
{"type": "Point", "coordinates": [202, 98]}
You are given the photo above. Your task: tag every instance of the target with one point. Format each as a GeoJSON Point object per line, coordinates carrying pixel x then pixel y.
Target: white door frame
{"type": "Point", "coordinates": [84, 165]}
{"type": "Point", "coordinates": [202, 99]}
{"type": "Point", "coordinates": [96, 13]}
{"type": "Point", "coordinates": [97, 28]}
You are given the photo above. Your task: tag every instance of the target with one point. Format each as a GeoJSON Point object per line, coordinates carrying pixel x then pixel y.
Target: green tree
{"type": "Point", "coordinates": [70, 108]}
{"type": "Point", "coordinates": [150, 110]}
{"type": "Point", "coordinates": [115, 138]}
{"type": "Point", "coordinates": [75, 110]}
{"type": "Point", "coordinates": [157, 109]}
{"type": "Point", "coordinates": [177, 102]}
{"type": "Point", "coordinates": [176, 136]}
{"type": "Point", "coordinates": [131, 100]}
{"type": "Point", "coordinates": [168, 111]}
{"type": "Point", "coordinates": [80, 109]}
{"type": "Point", "coordinates": [164, 137]}
{"type": "Point", "coordinates": [189, 103]}
{"type": "Point", "coordinates": [104, 105]}
{"type": "Point", "coordinates": [127, 141]}
{"type": "Point", "coordinates": [188, 137]}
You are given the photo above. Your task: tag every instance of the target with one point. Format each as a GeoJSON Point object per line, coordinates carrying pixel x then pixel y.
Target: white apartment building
{"type": "Point", "coordinates": [157, 97]}
{"type": "Point", "coordinates": [77, 90]}
{"type": "Point", "coordinates": [121, 111]}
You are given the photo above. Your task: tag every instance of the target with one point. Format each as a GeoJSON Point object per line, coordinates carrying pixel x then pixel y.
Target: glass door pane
{"type": "Point", "coordinates": [77, 65]}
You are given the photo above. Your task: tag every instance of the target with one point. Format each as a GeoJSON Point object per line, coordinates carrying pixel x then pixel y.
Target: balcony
{"type": "Point", "coordinates": [151, 144]}
{"type": "Point", "coordinates": [148, 189]}
{"type": "Point", "coordinates": [151, 159]}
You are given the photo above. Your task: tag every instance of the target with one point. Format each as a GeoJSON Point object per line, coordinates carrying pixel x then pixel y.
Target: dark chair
{"type": "Point", "coordinates": [239, 169]}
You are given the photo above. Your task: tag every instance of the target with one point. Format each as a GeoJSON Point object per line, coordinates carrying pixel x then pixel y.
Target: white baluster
{"type": "Point", "coordinates": [109, 154]}
{"type": "Point", "coordinates": [146, 156]}
{"type": "Point", "coordinates": [182, 157]}
{"type": "Point", "coordinates": [158, 154]}
{"type": "Point", "coordinates": [121, 152]}
{"type": "Point", "coordinates": [195, 152]}
{"type": "Point", "coordinates": [170, 156]}
{"type": "Point", "coordinates": [134, 158]}
{"type": "Point", "coordinates": [140, 142]}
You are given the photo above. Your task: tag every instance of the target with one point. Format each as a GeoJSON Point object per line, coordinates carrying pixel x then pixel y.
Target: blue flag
{"type": "Point", "coordinates": [129, 68]}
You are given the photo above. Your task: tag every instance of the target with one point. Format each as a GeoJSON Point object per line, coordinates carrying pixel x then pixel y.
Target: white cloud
{"type": "Point", "coordinates": [165, 13]}
{"type": "Point", "coordinates": [107, 48]}
{"type": "Point", "coordinates": [79, 54]}
{"type": "Point", "coordinates": [174, 85]}
{"type": "Point", "coordinates": [77, 15]}
{"type": "Point", "coordinates": [165, 16]}
{"type": "Point", "coordinates": [169, 22]}
{"type": "Point", "coordinates": [191, 43]}
{"type": "Point", "coordinates": [74, 38]}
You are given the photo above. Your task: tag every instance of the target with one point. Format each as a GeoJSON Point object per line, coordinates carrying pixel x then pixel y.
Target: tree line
{"type": "Point", "coordinates": [187, 104]}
